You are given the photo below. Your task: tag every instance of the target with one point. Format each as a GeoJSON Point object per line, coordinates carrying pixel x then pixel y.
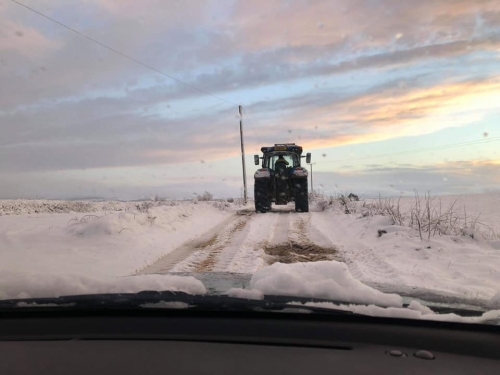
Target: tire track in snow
{"type": "Point", "coordinates": [362, 261]}
{"type": "Point", "coordinates": [250, 256]}
{"type": "Point", "coordinates": [241, 244]}
{"type": "Point", "coordinates": [169, 261]}
{"type": "Point", "coordinates": [241, 250]}
{"type": "Point", "coordinates": [221, 254]}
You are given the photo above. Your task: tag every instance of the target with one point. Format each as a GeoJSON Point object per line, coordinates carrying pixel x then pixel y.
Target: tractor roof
{"type": "Point", "coordinates": [290, 147]}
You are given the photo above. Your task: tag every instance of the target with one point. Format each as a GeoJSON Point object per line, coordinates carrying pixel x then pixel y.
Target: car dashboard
{"type": "Point", "coordinates": [155, 342]}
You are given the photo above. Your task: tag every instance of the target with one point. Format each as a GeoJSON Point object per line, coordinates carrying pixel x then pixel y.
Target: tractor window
{"type": "Point", "coordinates": [291, 159]}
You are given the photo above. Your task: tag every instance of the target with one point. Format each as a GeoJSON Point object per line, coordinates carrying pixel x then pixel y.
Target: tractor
{"type": "Point", "coordinates": [281, 179]}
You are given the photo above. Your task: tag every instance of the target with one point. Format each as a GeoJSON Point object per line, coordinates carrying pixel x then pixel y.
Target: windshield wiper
{"type": "Point", "coordinates": [168, 300]}
{"type": "Point", "coordinates": [179, 300]}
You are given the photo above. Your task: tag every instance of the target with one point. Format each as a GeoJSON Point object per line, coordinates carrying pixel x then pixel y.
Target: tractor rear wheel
{"type": "Point", "coordinates": [262, 202]}
{"type": "Point", "coordinates": [301, 195]}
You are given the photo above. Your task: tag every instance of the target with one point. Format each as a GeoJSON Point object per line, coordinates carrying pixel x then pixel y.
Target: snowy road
{"type": "Point", "coordinates": [246, 242]}
{"type": "Point", "coordinates": [182, 237]}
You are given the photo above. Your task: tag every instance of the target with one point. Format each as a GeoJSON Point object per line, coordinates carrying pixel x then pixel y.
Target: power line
{"type": "Point", "coordinates": [122, 54]}
{"type": "Point", "coordinates": [250, 122]}
{"type": "Point", "coordinates": [435, 148]}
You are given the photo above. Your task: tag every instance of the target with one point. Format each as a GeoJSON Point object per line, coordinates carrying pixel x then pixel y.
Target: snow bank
{"type": "Point", "coordinates": [26, 206]}
{"type": "Point", "coordinates": [40, 206]}
{"type": "Point", "coordinates": [325, 279]}
{"type": "Point", "coordinates": [33, 285]}
{"type": "Point", "coordinates": [460, 265]}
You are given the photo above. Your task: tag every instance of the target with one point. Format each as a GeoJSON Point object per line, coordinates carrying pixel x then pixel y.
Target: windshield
{"type": "Point", "coordinates": [290, 160]}
{"type": "Point", "coordinates": [132, 139]}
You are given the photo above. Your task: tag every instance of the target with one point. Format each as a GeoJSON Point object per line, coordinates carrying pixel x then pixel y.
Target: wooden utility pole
{"type": "Point", "coordinates": [243, 158]}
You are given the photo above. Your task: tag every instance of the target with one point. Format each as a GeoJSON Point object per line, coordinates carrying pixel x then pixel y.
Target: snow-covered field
{"type": "Point", "coordinates": [100, 243]}
{"type": "Point", "coordinates": [55, 248]}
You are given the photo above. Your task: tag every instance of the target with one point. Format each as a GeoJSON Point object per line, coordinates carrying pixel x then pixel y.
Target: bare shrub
{"type": "Point", "coordinates": [83, 219]}
{"type": "Point", "coordinates": [429, 217]}
{"type": "Point", "coordinates": [144, 206]}
{"type": "Point", "coordinates": [353, 197]}
{"type": "Point", "coordinates": [385, 207]}
{"type": "Point", "coordinates": [348, 204]}
{"type": "Point", "coordinates": [207, 196]}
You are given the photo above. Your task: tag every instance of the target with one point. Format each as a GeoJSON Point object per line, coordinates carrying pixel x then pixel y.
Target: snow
{"type": "Point", "coordinates": [26, 207]}
{"type": "Point", "coordinates": [459, 265]}
{"type": "Point", "coordinates": [325, 279]}
{"type": "Point", "coordinates": [103, 243]}
{"type": "Point", "coordinates": [36, 285]}
{"type": "Point", "coordinates": [50, 248]}
{"type": "Point", "coordinates": [245, 293]}
{"type": "Point", "coordinates": [34, 304]}
{"type": "Point", "coordinates": [412, 312]}
{"type": "Point", "coordinates": [166, 305]}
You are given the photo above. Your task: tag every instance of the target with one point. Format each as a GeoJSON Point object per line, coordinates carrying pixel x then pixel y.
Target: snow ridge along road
{"type": "Point", "coordinates": [244, 244]}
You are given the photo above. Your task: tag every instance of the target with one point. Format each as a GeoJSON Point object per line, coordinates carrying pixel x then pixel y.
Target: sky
{"type": "Point", "coordinates": [388, 96]}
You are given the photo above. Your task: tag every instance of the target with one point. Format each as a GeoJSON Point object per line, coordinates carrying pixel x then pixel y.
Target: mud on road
{"type": "Point", "coordinates": [299, 247]}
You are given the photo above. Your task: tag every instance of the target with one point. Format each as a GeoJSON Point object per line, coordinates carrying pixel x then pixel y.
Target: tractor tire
{"type": "Point", "coordinates": [301, 195]}
{"type": "Point", "coordinates": [262, 202]}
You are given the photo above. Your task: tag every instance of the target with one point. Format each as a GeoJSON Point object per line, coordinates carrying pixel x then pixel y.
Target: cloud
{"type": "Point", "coordinates": [459, 177]}
{"type": "Point", "coordinates": [365, 23]}
{"type": "Point", "coordinates": [320, 73]}
{"type": "Point", "coordinates": [390, 111]}
{"type": "Point", "coordinates": [161, 38]}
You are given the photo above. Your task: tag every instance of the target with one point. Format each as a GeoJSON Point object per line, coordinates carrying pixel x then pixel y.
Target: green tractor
{"type": "Point", "coordinates": [281, 179]}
